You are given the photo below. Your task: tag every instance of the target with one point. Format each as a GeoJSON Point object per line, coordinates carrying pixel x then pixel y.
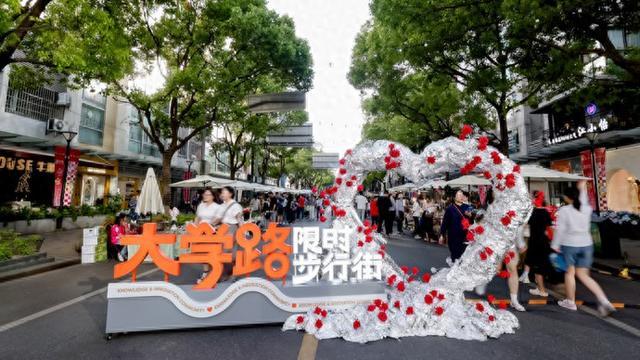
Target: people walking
{"type": "Point", "coordinates": [230, 214]}
{"type": "Point", "coordinates": [375, 213]}
{"type": "Point", "coordinates": [361, 205]}
{"type": "Point", "coordinates": [399, 205]}
{"type": "Point", "coordinates": [452, 229]}
{"type": "Point", "coordinates": [385, 208]}
{"type": "Point", "coordinates": [572, 238]}
{"type": "Point", "coordinates": [539, 244]}
{"type": "Point", "coordinates": [206, 212]}
{"type": "Point", "coordinates": [416, 213]}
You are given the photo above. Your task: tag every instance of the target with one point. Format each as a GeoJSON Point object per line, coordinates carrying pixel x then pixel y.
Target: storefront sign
{"type": "Point", "coordinates": [59, 173]}
{"type": "Point", "coordinates": [19, 163]}
{"type": "Point", "coordinates": [601, 125]}
{"type": "Point", "coordinates": [72, 171]}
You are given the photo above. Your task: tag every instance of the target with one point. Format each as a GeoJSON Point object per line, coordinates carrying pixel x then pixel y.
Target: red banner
{"type": "Point", "coordinates": [72, 171]}
{"type": "Point", "coordinates": [587, 170]}
{"type": "Point", "coordinates": [601, 172]}
{"type": "Point", "coordinates": [59, 172]}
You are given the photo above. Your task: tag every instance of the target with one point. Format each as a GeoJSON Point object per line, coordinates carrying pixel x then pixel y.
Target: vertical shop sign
{"type": "Point", "coordinates": [601, 172]}
{"type": "Point", "coordinates": [72, 172]}
{"type": "Point", "coordinates": [587, 170]}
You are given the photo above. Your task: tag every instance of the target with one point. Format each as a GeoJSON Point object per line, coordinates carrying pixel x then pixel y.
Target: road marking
{"type": "Point", "coordinates": [308, 348]}
{"type": "Point", "coordinates": [617, 323]}
{"type": "Point", "coordinates": [60, 306]}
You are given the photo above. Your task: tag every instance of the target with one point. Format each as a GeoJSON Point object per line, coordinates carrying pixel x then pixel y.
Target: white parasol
{"type": "Point", "coordinates": [150, 199]}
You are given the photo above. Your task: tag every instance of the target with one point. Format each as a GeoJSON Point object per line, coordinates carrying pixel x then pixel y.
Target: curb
{"type": "Point", "coordinates": [20, 273]}
{"type": "Point", "coordinates": [613, 271]}
{"type": "Point", "coordinates": [543, 301]}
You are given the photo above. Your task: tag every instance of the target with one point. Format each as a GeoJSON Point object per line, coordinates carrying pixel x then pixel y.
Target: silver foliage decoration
{"type": "Point", "coordinates": [435, 305]}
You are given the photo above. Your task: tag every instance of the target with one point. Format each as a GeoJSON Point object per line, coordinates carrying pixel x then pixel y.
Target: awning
{"type": "Point", "coordinates": [537, 172]}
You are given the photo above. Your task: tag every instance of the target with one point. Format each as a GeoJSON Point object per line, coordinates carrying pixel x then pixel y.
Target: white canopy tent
{"type": "Point", "coordinates": [539, 173]}
{"type": "Point", "coordinates": [434, 184]}
{"type": "Point", "coordinates": [468, 180]}
{"type": "Point", "coordinates": [403, 187]}
{"type": "Point", "coordinates": [202, 181]}
{"type": "Point", "coordinates": [150, 199]}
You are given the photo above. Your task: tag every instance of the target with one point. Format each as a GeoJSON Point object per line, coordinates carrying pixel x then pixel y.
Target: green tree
{"type": "Point", "coordinates": [213, 54]}
{"type": "Point", "coordinates": [468, 42]}
{"type": "Point", "coordinates": [244, 133]}
{"type": "Point", "coordinates": [579, 28]}
{"type": "Point", "coordinates": [302, 174]}
{"type": "Point", "coordinates": [82, 38]}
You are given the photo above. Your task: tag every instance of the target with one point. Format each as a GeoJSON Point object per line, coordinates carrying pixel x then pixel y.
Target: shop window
{"type": "Point", "coordinates": [91, 125]}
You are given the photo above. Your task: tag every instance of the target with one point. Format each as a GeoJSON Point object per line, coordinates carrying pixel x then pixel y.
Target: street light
{"type": "Point", "coordinates": [592, 137]}
{"type": "Point", "coordinates": [68, 136]}
{"type": "Point", "coordinates": [190, 161]}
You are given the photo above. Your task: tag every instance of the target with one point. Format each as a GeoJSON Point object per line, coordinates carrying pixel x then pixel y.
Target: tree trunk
{"type": "Point", "coordinates": [232, 165]}
{"type": "Point", "coordinates": [504, 132]}
{"type": "Point", "coordinates": [165, 180]}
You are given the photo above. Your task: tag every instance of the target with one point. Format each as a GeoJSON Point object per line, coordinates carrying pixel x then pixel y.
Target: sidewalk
{"type": "Point", "coordinates": [58, 250]}
{"type": "Point", "coordinates": [631, 261]}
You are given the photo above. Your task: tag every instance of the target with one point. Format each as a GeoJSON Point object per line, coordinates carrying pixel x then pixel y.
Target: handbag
{"type": "Point", "coordinates": [557, 261]}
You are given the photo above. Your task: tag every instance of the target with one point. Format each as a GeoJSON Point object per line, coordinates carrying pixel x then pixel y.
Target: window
{"type": "Point", "coordinates": [139, 142]}
{"type": "Point", "coordinates": [39, 104]}
{"type": "Point", "coordinates": [91, 125]}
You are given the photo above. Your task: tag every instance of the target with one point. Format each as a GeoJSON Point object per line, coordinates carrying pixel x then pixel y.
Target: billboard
{"type": "Point", "coordinates": [293, 136]}
{"type": "Point", "coordinates": [325, 160]}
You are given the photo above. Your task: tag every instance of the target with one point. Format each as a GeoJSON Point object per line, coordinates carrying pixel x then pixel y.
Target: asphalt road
{"type": "Point", "coordinates": [76, 331]}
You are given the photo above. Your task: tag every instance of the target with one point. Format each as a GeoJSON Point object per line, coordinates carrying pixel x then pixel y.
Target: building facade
{"type": "Point", "coordinates": [114, 152]}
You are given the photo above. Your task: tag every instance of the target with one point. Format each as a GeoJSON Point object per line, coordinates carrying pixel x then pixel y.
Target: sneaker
{"type": "Point", "coordinates": [606, 309]}
{"type": "Point", "coordinates": [517, 306]}
{"type": "Point", "coordinates": [120, 258]}
{"type": "Point", "coordinates": [417, 237]}
{"type": "Point", "coordinates": [537, 292]}
{"type": "Point", "coordinates": [568, 304]}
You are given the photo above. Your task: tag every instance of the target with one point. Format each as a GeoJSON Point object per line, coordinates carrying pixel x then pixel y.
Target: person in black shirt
{"type": "Point", "coordinates": [386, 214]}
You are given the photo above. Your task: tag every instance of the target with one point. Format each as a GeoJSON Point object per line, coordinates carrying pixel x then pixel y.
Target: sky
{"type": "Point", "coordinates": [330, 28]}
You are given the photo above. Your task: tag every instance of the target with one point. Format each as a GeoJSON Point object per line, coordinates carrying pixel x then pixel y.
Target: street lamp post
{"type": "Point", "coordinates": [68, 136]}
{"type": "Point", "coordinates": [190, 161]}
{"type": "Point", "coordinates": [592, 137]}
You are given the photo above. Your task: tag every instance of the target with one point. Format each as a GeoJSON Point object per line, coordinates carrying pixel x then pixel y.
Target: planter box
{"type": "Point", "coordinates": [49, 225]}
{"type": "Point", "coordinates": [82, 222]}
{"type": "Point", "coordinates": [34, 227]}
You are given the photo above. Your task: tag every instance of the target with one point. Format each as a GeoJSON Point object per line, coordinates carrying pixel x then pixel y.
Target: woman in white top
{"type": "Point", "coordinates": [573, 238]}
{"type": "Point", "coordinates": [207, 209]}
{"type": "Point", "coordinates": [230, 214]}
{"type": "Point", "coordinates": [206, 212]}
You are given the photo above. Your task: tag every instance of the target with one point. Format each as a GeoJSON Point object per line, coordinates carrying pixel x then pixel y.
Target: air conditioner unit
{"type": "Point", "coordinates": [56, 125]}
{"type": "Point", "coordinates": [64, 99]}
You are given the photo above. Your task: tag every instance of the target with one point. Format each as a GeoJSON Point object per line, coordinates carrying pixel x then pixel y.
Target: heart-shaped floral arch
{"type": "Point", "coordinates": [427, 304]}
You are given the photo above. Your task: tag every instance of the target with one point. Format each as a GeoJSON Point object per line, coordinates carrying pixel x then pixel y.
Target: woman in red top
{"type": "Point", "coordinates": [373, 210]}
{"type": "Point", "coordinates": [117, 230]}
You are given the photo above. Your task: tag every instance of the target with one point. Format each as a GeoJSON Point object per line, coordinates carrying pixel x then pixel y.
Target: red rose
{"type": "Point", "coordinates": [360, 187]}
{"type": "Point", "coordinates": [504, 274]}
{"type": "Point", "coordinates": [360, 243]}
{"type": "Point", "coordinates": [409, 310]}
{"type": "Point", "coordinates": [483, 256]}
{"type": "Point", "coordinates": [476, 160]}
{"type": "Point", "coordinates": [300, 319]}
{"type": "Point", "coordinates": [383, 247]}
{"type": "Point", "coordinates": [431, 160]}
{"type": "Point", "coordinates": [505, 220]}
{"type": "Point", "coordinates": [342, 161]}
{"type": "Point", "coordinates": [317, 310]}
{"type": "Point", "coordinates": [415, 270]}
{"type": "Point", "coordinates": [339, 181]}
{"type": "Point", "coordinates": [439, 310]}
{"type": "Point", "coordinates": [487, 175]}
{"type": "Point", "coordinates": [426, 277]}
{"type": "Point", "coordinates": [318, 323]}
{"type": "Point", "coordinates": [384, 306]}
{"type": "Point", "coordinates": [428, 299]}
{"type": "Point", "coordinates": [391, 146]}
{"type": "Point", "coordinates": [377, 302]}
{"type": "Point", "coordinates": [356, 325]}
{"type": "Point", "coordinates": [382, 316]}
{"type": "Point", "coordinates": [479, 307]}
{"type": "Point", "coordinates": [349, 183]}
{"type": "Point", "coordinates": [465, 131]}
{"type": "Point", "coordinates": [465, 223]}
{"type": "Point", "coordinates": [512, 253]}
{"type": "Point", "coordinates": [440, 297]}
{"type": "Point", "coordinates": [433, 293]}
{"type": "Point", "coordinates": [499, 176]}
{"type": "Point", "coordinates": [391, 279]}
{"type": "Point", "coordinates": [348, 152]}
{"type": "Point", "coordinates": [387, 159]}
{"type": "Point", "coordinates": [381, 253]}
{"type": "Point", "coordinates": [491, 298]}
{"type": "Point", "coordinates": [367, 223]}
{"type": "Point", "coordinates": [314, 189]}
{"type": "Point", "coordinates": [511, 213]}
{"type": "Point", "coordinates": [516, 168]}
{"type": "Point", "coordinates": [396, 304]}
{"type": "Point", "coordinates": [371, 307]}
{"type": "Point", "coordinates": [324, 313]}
{"type": "Point", "coordinates": [405, 269]}
{"type": "Point", "coordinates": [323, 218]}
{"type": "Point", "coordinates": [492, 318]}
{"type": "Point", "coordinates": [507, 260]}
{"type": "Point", "coordinates": [367, 231]}
{"type": "Point", "coordinates": [354, 178]}
{"type": "Point", "coordinates": [400, 286]}
{"type": "Point", "coordinates": [503, 305]}
{"type": "Point", "coordinates": [488, 250]}
{"type": "Point", "coordinates": [368, 238]}
{"type": "Point", "coordinates": [410, 279]}
{"type": "Point", "coordinates": [359, 229]}
{"type": "Point", "coordinates": [479, 229]}
{"type": "Point", "coordinates": [394, 153]}
{"type": "Point", "coordinates": [510, 180]}
{"type": "Point", "coordinates": [483, 141]}
{"type": "Point", "coordinates": [343, 171]}
{"type": "Point", "coordinates": [326, 202]}
{"type": "Point", "coordinates": [470, 236]}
